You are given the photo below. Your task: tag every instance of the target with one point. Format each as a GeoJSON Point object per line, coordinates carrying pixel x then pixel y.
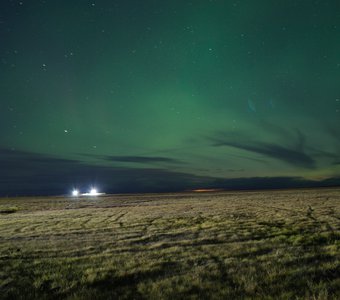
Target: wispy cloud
{"type": "Point", "coordinates": [142, 159]}
{"type": "Point", "coordinates": [33, 173]}
{"type": "Point", "coordinates": [27, 173]}
{"type": "Point", "coordinates": [137, 159]}
{"type": "Point", "coordinates": [292, 155]}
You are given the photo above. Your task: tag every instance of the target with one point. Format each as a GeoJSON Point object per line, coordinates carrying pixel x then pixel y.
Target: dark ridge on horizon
{"type": "Point", "coordinates": [236, 184]}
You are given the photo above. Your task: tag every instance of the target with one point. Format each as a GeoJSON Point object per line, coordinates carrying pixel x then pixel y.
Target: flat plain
{"type": "Point", "coordinates": [282, 244]}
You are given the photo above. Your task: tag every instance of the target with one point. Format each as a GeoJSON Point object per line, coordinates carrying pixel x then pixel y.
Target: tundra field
{"type": "Point", "coordinates": [226, 245]}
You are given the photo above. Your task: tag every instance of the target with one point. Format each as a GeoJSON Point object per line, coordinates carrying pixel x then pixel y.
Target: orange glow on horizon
{"type": "Point", "coordinates": [206, 190]}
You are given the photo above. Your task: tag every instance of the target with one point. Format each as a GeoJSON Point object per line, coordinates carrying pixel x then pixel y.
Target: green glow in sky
{"type": "Point", "coordinates": [207, 89]}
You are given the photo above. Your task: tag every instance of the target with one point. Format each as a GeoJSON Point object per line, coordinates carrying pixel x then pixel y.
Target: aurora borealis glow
{"type": "Point", "coordinates": [149, 96]}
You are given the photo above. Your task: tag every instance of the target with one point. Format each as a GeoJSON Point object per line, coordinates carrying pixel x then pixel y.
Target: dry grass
{"type": "Point", "coordinates": [233, 245]}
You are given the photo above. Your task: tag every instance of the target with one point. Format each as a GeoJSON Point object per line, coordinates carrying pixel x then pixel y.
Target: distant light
{"type": "Point", "coordinates": [75, 193]}
{"type": "Point", "coordinates": [93, 192]}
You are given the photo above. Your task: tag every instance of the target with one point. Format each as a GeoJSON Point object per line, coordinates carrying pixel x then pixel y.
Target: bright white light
{"type": "Point", "coordinates": [93, 192]}
{"type": "Point", "coordinates": [75, 193]}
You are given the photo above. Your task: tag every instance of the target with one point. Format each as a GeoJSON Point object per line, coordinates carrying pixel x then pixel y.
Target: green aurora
{"type": "Point", "coordinates": [168, 95]}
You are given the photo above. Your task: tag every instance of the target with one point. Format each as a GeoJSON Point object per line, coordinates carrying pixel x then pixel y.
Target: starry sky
{"type": "Point", "coordinates": [158, 96]}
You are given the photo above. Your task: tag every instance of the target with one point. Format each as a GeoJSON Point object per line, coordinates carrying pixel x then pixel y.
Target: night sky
{"type": "Point", "coordinates": [173, 95]}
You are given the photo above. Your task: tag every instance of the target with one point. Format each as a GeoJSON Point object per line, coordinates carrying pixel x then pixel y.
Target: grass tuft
{"type": "Point", "coordinates": [8, 210]}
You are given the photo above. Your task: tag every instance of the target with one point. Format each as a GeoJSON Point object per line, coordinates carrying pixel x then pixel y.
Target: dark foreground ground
{"type": "Point", "coordinates": [232, 245]}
